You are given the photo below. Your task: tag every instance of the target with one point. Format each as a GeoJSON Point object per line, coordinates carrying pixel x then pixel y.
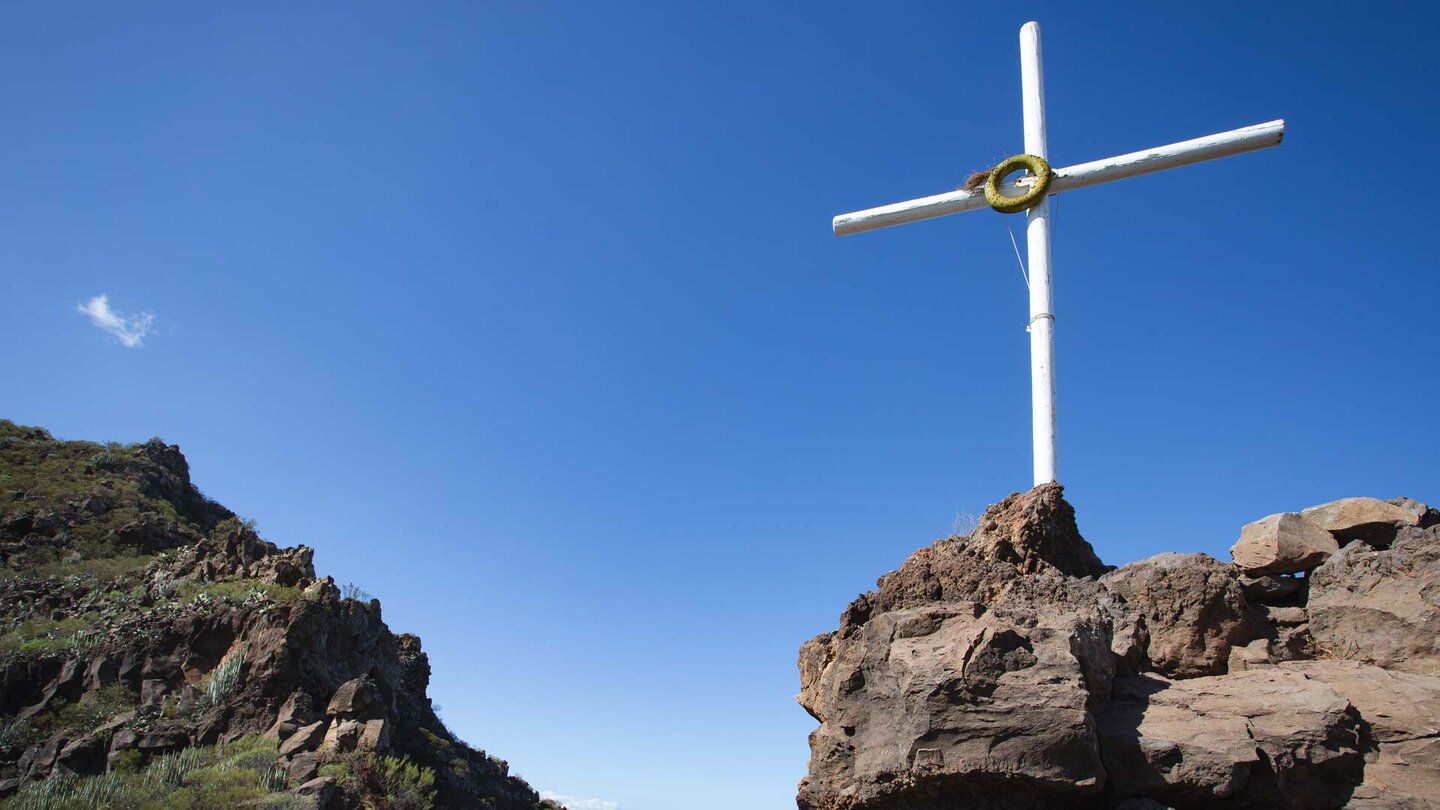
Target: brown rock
{"type": "Point", "coordinates": [321, 789]}
{"type": "Point", "coordinates": [101, 673]}
{"type": "Point", "coordinates": [1259, 738]}
{"type": "Point", "coordinates": [152, 692]}
{"type": "Point", "coordinates": [1250, 656]}
{"type": "Point", "coordinates": [305, 738]}
{"type": "Point", "coordinates": [1273, 589]}
{"type": "Point", "coordinates": [1426, 516]}
{"type": "Point", "coordinates": [162, 742]}
{"type": "Point", "coordinates": [85, 756]}
{"type": "Point", "coordinates": [356, 699]}
{"type": "Point", "coordinates": [1280, 616]}
{"type": "Point", "coordinates": [1292, 644]}
{"type": "Point", "coordinates": [303, 767]}
{"type": "Point", "coordinates": [123, 739]}
{"type": "Point", "coordinates": [298, 710]}
{"type": "Point", "coordinates": [1401, 717]}
{"type": "Point", "coordinates": [1381, 606]}
{"type": "Point", "coordinates": [1369, 519]}
{"type": "Point", "coordinates": [343, 736]}
{"type": "Point", "coordinates": [1027, 542]}
{"type": "Point", "coordinates": [1193, 607]}
{"type": "Point", "coordinates": [1283, 543]}
{"type": "Point", "coordinates": [1036, 530]}
{"type": "Point", "coordinates": [957, 699]}
{"type": "Point", "coordinates": [374, 736]}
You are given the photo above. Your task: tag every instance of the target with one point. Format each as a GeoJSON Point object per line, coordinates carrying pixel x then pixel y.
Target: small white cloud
{"type": "Point", "coordinates": [579, 804]}
{"type": "Point", "coordinates": [128, 329]}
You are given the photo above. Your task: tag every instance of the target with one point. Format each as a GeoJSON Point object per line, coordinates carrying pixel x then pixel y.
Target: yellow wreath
{"type": "Point", "coordinates": [1010, 205]}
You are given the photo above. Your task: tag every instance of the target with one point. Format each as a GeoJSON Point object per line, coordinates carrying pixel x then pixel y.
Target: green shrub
{"type": "Point", "coordinates": [128, 760]}
{"type": "Point", "coordinates": [352, 591]}
{"type": "Point", "coordinates": [89, 713]}
{"type": "Point", "coordinates": [406, 786]}
{"type": "Point", "coordinates": [239, 774]}
{"type": "Point", "coordinates": [286, 801]}
{"type": "Point", "coordinates": [11, 731]}
{"type": "Point", "coordinates": [236, 589]}
{"type": "Point", "coordinates": [103, 569]}
{"type": "Point", "coordinates": [44, 636]}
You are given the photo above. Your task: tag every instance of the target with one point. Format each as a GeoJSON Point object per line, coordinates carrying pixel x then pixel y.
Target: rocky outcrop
{"type": "Point", "coordinates": [1011, 669]}
{"type": "Point", "coordinates": [138, 618]}
{"type": "Point", "coordinates": [1381, 605]}
{"type": "Point", "coordinates": [976, 666]}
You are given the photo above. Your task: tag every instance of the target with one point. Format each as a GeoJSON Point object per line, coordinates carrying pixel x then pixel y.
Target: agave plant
{"type": "Point", "coordinates": [171, 769]}
{"type": "Point", "coordinates": [222, 680]}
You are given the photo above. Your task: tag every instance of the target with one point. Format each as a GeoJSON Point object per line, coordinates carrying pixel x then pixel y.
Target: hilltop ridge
{"type": "Point", "coordinates": [155, 651]}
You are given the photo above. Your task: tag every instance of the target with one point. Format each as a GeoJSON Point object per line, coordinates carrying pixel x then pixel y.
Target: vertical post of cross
{"type": "Point", "coordinates": [1037, 232]}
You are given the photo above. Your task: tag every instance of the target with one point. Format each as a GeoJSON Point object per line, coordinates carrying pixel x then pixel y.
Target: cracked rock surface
{"type": "Point", "coordinates": [1011, 669]}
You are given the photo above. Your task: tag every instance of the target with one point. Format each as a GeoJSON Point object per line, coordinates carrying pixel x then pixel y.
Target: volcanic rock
{"type": "Point", "coordinates": [1381, 605]}
{"type": "Point", "coordinates": [1369, 519]}
{"type": "Point", "coordinates": [974, 670]}
{"type": "Point", "coordinates": [1400, 728]}
{"type": "Point", "coordinates": [1193, 606]}
{"type": "Point", "coordinates": [1283, 543]}
{"type": "Point", "coordinates": [1259, 738]}
{"type": "Point", "coordinates": [1009, 670]}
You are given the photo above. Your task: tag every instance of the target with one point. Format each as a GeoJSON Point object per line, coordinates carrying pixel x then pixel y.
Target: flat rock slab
{"type": "Point", "coordinates": [1401, 713]}
{"type": "Point", "coordinates": [1265, 737]}
{"type": "Point", "coordinates": [1283, 543]}
{"type": "Point", "coordinates": [1369, 519]}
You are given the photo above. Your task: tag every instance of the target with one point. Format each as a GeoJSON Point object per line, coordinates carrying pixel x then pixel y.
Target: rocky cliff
{"type": "Point", "coordinates": [155, 652]}
{"type": "Point", "coordinates": [1011, 670]}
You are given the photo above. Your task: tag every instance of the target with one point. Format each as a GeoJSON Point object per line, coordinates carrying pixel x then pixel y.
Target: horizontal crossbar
{"type": "Point", "coordinates": [1224, 144]}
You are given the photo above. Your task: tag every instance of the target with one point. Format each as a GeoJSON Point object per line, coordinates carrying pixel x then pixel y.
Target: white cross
{"type": "Point", "coordinates": [1042, 319]}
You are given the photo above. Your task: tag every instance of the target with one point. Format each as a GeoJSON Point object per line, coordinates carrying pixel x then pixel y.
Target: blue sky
{"type": "Point", "coordinates": [528, 316]}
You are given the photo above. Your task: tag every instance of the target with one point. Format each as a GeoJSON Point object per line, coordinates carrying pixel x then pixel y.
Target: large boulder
{"type": "Point", "coordinates": [1369, 519]}
{"type": "Point", "coordinates": [1284, 543]}
{"type": "Point", "coordinates": [1381, 606]}
{"type": "Point", "coordinates": [959, 699]}
{"type": "Point", "coordinates": [1267, 738]}
{"type": "Point", "coordinates": [974, 670]}
{"type": "Point", "coordinates": [1400, 721]}
{"type": "Point", "coordinates": [1194, 608]}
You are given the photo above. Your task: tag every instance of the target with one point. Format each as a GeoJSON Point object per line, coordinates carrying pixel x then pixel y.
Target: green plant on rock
{"type": "Point", "coordinates": [81, 717]}
{"type": "Point", "coordinates": [286, 801]}
{"type": "Point", "coordinates": [11, 731]}
{"type": "Point", "coordinates": [222, 680]}
{"type": "Point", "coordinates": [170, 770]}
{"type": "Point", "coordinates": [406, 786]}
{"type": "Point", "coordinates": [238, 774]}
{"type": "Point", "coordinates": [352, 591]}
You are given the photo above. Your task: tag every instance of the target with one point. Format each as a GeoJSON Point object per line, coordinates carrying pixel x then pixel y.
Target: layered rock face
{"type": "Point", "coordinates": [138, 618]}
{"type": "Point", "coordinates": [1011, 669]}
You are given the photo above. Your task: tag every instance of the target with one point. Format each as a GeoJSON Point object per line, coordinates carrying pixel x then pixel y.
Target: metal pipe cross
{"type": "Point", "coordinates": [1120, 167]}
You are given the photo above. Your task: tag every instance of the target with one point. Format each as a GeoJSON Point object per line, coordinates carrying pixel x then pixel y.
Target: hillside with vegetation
{"type": "Point", "coordinates": [155, 652]}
